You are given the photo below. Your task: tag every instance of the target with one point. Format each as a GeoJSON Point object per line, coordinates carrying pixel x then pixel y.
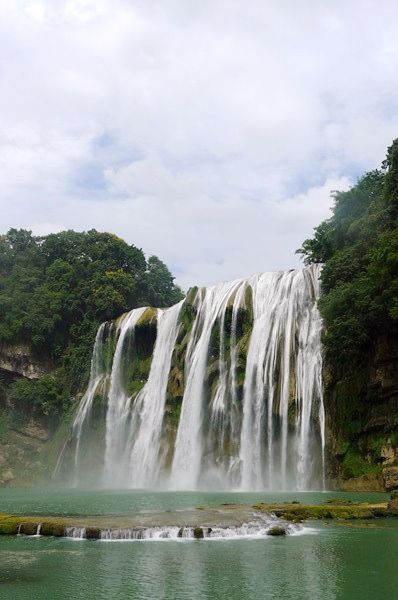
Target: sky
{"type": "Point", "coordinates": [210, 133]}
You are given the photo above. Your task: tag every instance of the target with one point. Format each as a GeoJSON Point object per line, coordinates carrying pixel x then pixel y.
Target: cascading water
{"type": "Point", "coordinates": [229, 391]}
{"type": "Point", "coordinates": [148, 409]}
{"type": "Point", "coordinates": [118, 414]}
{"type": "Point", "coordinates": [283, 375]}
{"type": "Point", "coordinates": [96, 377]}
{"type": "Point", "coordinates": [211, 304]}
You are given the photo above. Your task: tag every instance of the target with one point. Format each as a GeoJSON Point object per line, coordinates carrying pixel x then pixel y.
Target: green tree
{"type": "Point", "coordinates": [55, 291]}
{"type": "Point", "coordinates": [358, 247]}
{"type": "Point", "coordinates": [158, 284]}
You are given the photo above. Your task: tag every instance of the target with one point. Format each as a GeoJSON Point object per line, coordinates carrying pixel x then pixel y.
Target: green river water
{"type": "Point", "coordinates": [354, 561]}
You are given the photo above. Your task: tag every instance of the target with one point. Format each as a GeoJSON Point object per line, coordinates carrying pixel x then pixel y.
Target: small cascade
{"type": "Point", "coordinates": [258, 528]}
{"type": "Point", "coordinates": [30, 529]}
{"type": "Point", "coordinates": [77, 533]}
{"type": "Point", "coordinates": [140, 533]}
{"type": "Point", "coordinates": [221, 391]}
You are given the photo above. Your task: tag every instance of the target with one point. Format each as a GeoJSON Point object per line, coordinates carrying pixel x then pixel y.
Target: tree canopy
{"type": "Point", "coordinates": [55, 290]}
{"type": "Point", "coordinates": [358, 247]}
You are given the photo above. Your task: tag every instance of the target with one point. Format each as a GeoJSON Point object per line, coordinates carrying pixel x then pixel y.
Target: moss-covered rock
{"type": "Point", "coordinates": [277, 531]}
{"type": "Point", "coordinates": [52, 528]}
{"type": "Point", "coordinates": [28, 528]}
{"type": "Point", "coordinates": [362, 418]}
{"type": "Point", "coordinates": [9, 524]}
{"type": "Point", "coordinates": [338, 510]}
{"type": "Point", "coordinates": [198, 533]}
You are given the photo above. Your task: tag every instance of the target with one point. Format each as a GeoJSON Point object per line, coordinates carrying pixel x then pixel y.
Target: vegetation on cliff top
{"type": "Point", "coordinates": [359, 248]}
{"type": "Point", "coordinates": [55, 290]}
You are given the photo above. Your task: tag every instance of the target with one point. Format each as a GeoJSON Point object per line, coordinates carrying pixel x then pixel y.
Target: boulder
{"type": "Point", "coordinates": [277, 530]}
{"type": "Point", "coordinates": [7, 476]}
{"type": "Point", "coordinates": [92, 533]}
{"type": "Point", "coordinates": [198, 533]}
{"type": "Point", "coordinates": [390, 478]}
{"type": "Point", "coordinates": [392, 507]}
{"type": "Point", "coordinates": [28, 528]}
{"type": "Point", "coordinates": [51, 528]}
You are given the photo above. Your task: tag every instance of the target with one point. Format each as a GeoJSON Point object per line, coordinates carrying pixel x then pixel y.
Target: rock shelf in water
{"type": "Point", "coordinates": [274, 519]}
{"type": "Point", "coordinates": [297, 512]}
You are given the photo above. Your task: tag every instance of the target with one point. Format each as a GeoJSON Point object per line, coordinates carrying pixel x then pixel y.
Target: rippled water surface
{"type": "Point", "coordinates": [330, 562]}
{"type": "Point", "coordinates": [49, 501]}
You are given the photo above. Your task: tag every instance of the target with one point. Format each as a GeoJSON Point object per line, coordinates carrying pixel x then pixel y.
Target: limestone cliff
{"type": "Point", "coordinates": [18, 360]}
{"type": "Point", "coordinates": [362, 421]}
{"type": "Point", "coordinates": [29, 439]}
{"type": "Point", "coordinates": [361, 411]}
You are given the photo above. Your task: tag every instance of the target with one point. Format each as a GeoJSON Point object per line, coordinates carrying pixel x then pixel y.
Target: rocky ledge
{"type": "Point", "coordinates": [269, 519]}
{"type": "Point", "coordinates": [332, 509]}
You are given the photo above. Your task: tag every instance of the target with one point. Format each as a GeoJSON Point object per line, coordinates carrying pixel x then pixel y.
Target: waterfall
{"type": "Point", "coordinates": [96, 376]}
{"type": "Point", "coordinates": [211, 303]}
{"type": "Point", "coordinates": [245, 408]}
{"type": "Point", "coordinates": [284, 347]}
{"type": "Point", "coordinates": [148, 409]}
{"type": "Point", "coordinates": [118, 413]}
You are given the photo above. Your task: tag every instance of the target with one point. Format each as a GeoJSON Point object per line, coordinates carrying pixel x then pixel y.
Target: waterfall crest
{"type": "Point", "coordinates": [221, 391]}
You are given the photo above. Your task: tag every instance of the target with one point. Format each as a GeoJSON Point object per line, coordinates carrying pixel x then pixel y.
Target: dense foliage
{"type": "Point", "coordinates": [359, 248]}
{"type": "Point", "coordinates": [45, 393]}
{"type": "Point", "coordinates": [56, 290]}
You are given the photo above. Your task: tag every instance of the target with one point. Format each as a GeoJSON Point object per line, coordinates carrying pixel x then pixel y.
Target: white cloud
{"type": "Point", "coordinates": [209, 133]}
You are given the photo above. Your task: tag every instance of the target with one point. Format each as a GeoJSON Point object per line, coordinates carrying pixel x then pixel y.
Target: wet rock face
{"type": "Point", "coordinates": [198, 533]}
{"type": "Point", "coordinates": [361, 416]}
{"type": "Point", "coordinates": [52, 529]}
{"type": "Point", "coordinates": [28, 528]}
{"type": "Point", "coordinates": [92, 533]}
{"type": "Point", "coordinates": [390, 478]}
